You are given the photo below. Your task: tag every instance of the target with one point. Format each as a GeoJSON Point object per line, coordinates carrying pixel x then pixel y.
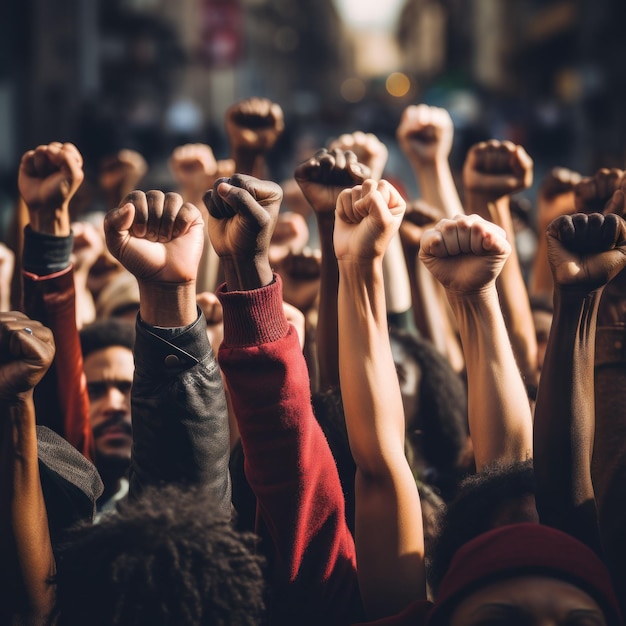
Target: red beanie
{"type": "Point", "coordinates": [524, 549]}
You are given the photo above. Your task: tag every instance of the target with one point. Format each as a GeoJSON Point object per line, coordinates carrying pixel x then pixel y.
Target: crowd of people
{"type": "Point", "coordinates": [314, 402]}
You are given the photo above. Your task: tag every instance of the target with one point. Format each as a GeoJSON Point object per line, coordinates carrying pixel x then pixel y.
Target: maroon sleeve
{"type": "Point", "coordinates": [61, 399]}
{"type": "Point", "coordinates": [288, 463]}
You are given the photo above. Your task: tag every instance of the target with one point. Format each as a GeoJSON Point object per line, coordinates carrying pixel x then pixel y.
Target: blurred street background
{"type": "Point", "coordinates": [152, 74]}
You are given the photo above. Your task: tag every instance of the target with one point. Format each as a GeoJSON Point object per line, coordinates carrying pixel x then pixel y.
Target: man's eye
{"type": "Point", "coordinates": [95, 390]}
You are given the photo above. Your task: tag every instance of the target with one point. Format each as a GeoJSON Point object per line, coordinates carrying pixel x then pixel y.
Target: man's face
{"type": "Point", "coordinates": [109, 375]}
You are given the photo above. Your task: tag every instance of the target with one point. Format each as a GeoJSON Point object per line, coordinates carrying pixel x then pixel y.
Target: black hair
{"type": "Point", "coordinates": [105, 333]}
{"type": "Point", "coordinates": [477, 508]}
{"type": "Point", "coordinates": [165, 559]}
{"type": "Point", "coordinates": [439, 428]}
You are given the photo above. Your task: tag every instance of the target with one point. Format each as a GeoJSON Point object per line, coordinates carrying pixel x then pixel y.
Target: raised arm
{"type": "Point", "coordinates": [180, 421]}
{"type": "Point", "coordinates": [493, 170]}
{"type": "Point", "coordinates": [322, 178]}
{"type": "Point", "coordinates": [585, 253]}
{"type": "Point", "coordinates": [287, 460]}
{"type": "Point", "coordinates": [26, 558]}
{"type": "Point", "coordinates": [466, 256]}
{"type": "Point", "coordinates": [555, 198]}
{"type": "Point", "coordinates": [48, 178]}
{"type": "Point", "coordinates": [253, 127]}
{"type": "Point", "coordinates": [389, 535]}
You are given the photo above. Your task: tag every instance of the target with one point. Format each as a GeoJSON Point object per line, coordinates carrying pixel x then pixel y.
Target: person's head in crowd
{"type": "Point", "coordinates": [499, 495]}
{"type": "Point", "coordinates": [543, 310]}
{"type": "Point", "coordinates": [109, 367]}
{"type": "Point", "coordinates": [525, 574]}
{"type": "Point", "coordinates": [164, 559]}
{"type": "Point", "coordinates": [435, 406]}
{"type": "Point", "coordinates": [119, 298]}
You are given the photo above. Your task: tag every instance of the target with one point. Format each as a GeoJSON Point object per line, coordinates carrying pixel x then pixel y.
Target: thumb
{"type": "Point", "coordinates": [117, 224]}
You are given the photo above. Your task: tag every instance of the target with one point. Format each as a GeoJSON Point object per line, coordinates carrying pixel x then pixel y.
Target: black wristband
{"type": "Point", "coordinates": [45, 254]}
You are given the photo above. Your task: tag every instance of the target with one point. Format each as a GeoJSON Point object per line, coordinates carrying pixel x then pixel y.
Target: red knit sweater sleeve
{"type": "Point", "coordinates": [61, 399]}
{"type": "Point", "coordinates": [288, 463]}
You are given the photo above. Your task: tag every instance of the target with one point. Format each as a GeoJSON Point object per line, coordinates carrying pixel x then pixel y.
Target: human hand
{"type": "Point", "coordinates": [242, 215]}
{"type": "Point", "coordinates": [369, 150]}
{"type": "Point", "coordinates": [26, 352]}
{"type": "Point", "coordinates": [465, 254]}
{"type": "Point", "coordinates": [156, 237]}
{"type": "Point", "coordinates": [121, 172]}
{"type": "Point", "coordinates": [425, 133]}
{"type": "Point", "coordinates": [254, 124]}
{"type": "Point", "coordinates": [494, 169]}
{"type": "Point", "coordinates": [556, 196]}
{"type": "Point", "coordinates": [296, 318]}
{"type": "Point", "coordinates": [324, 176]}
{"type": "Point", "coordinates": [290, 235]}
{"type": "Point", "coordinates": [195, 169]}
{"type": "Point", "coordinates": [418, 217]}
{"type": "Point", "coordinates": [7, 265]}
{"type": "Point", "coordinates": [88, 246]}
{"type": "Point", "coordinates": [586, 251]}
{"type": "Point", "coordinates": [48, 179]}
{"type": "Point", "coordinates": [301, 275]}
{"type": "Point", "coordinates": [594, 193]}
{"type": "Point", "coordinates": [366, 219]}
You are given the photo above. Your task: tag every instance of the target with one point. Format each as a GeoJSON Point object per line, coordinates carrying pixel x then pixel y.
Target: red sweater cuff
{"type": "Point", "coordinates": [37, 277]}
{"type": "Point", "coordinates": [253, 317]}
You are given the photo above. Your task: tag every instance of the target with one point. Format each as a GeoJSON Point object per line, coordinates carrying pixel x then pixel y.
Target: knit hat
{"type": "Point", "coordinates": [524, 550]}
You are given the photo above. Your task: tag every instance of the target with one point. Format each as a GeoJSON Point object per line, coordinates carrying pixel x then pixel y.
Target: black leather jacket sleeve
{"type": "Point", "coordinates": [179, 413]}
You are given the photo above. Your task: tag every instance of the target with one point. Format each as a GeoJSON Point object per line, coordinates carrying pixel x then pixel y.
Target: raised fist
{"type": "Point", "coordinates": [194, 167]}
{"type": "Point", "coordinates": [26, 352]}
{"type": "Point", "coordinates": [156, 237]}
{"type": "Point", "coordinates": [418, 217]}
{"type": "Point", "coordinates": [593, 193]}
{"type": "Point", "coordinates": [556, 196]}
{"type": "Point", "coordinates": [88, 246]}
{"type": "Point", "coordinates": [121, 172]}
{"type": "Point", "coordinates": [324, 176]}
{"type": "Point", "coordinates": [301, 274]}
{"type": "Point", "coordinates": [48, 179]}
{"type": "Point", "coordinates": [369, 150]}
{"type": "Point", "coordinates": [242, 215]}
{"type": "Point", "coordinates": [586, 251]}
{"type": "Point", "coordinates": [291, 234]}
{"type": "Point", "coordinates": [254, 124]}
{"type": "Point", "coordinates": [366, 219]}
{"type": "Point", "coordinates": [425, 133]}
{"type": "Point", "coordinates": [497, 168]}
{"type": "Point", "coordinates": [465, 254]}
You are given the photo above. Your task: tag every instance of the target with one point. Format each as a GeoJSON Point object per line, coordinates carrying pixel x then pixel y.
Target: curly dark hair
{"type": "Point", "coordinates": [486, 500]}
{"type": "Point", "coordinates": [165, 559]}
{"type": "Point", "coordinates": [439, 428]}
{"type": "Point", "coordinates": [104, 333]}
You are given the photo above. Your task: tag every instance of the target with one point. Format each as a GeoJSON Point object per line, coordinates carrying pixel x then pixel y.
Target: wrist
{"type": "Point", "coordinates": [246, 274]}
{"type": "Point", "coordinates": [51, 222]}
{"type": "Point", "coordinates": [485, 296]}
{"type": "Point", "coordinates": [169, 305]}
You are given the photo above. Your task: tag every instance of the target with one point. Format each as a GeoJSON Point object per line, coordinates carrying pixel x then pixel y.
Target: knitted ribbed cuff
{"type": "Point", "coordinates": [254, 317]}
{"type": "Point", "coordinates": [45, 254]}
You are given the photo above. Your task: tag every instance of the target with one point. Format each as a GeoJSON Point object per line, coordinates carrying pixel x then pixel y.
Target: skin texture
{"type": "Point", "coordinates": [425, 136]}
{"type": "Point", "coordinates": [492, 171]}
{"type": "Point", "coordinates": [531, 600]}
{"type": "Point", "coordinates": [389, 535]}
{"type": "Point", "coordinates": [585, 252]}
{"type": "Point", "coordinates": [321, 179]}
{"type": "Point", "coordinates": [109, 374]}
{"type": "Point", "coordinates": [26, 559]}
{"type": "Point", "coordinates": [466, 255]}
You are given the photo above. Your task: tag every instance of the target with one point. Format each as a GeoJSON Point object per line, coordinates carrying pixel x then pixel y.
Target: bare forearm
{"type": "Point", "coordinates": [564, 419]}
{"type": "Point", "coordinates": [327, 337]}
{"type": "Point", "coordinates": [437, 186]}
{"type": "Point", "coordinates": [28, 561]}
{"type": "Point", "coordinates": [499, 413]}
